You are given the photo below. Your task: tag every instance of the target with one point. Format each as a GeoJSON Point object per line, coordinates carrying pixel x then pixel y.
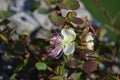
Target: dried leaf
{"type": "Point", "coordinates": [85, 30]}
{"type": "Point", "coordinates": [77, 20]}
{"type": "Point", "coordinates": [89, 66]}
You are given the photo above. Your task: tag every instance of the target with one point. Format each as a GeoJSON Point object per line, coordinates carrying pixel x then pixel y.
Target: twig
{"type": "Point", "coordinates": [114, 19]}
{"type": "Point", "coordinates": [117, 77]}
{"type": "Point", "coordinates": [106, 14]}
{"type": "Point", "coordinates": [106, 59]}
{"type": "Point", "coordinates": [103, 10]}
{"type": "Point", "coordinates": [90, 25]}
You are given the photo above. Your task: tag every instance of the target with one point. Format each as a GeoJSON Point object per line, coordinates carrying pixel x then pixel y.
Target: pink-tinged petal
{"type": "Point", "coordinates": [90, 34]}
{"type": "Point", "coordinates": [89, 37]}
{"type": "Point", "coordinates": [68, 34]}
{"type": "Point", "coordinates": [69, 49]}
{"type": "Point", "coordinates": [56, 39]}
{"type": "Point", "coordinates": [90, 45]}
{"type": "Point", "coordinates": [55, 52]}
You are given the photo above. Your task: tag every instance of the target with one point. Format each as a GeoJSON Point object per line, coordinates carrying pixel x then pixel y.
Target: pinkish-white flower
{"type": "Point", "coordinates": [62, 43]}
{"type": "Point", "coordinates": [89, 41]}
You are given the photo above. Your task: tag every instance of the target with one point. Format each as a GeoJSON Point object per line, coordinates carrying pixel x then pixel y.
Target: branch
{"type": "Point", "coordinates": [112, 20]}
{"type": "Point", "coordinates": [106, 59]}
{"type": "Point", "coordinates": [103, 10]}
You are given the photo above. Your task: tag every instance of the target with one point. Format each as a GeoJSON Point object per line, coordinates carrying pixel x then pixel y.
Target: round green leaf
{"type": "Point", "coordinates": [41, 66]}
{"type": "Point", "coordinates": [71, 15]}
{"type": "Point", "coordinates": [34, 6]}
{"type": "Point", "coordinates": [43, 10]}
{"type": "Point", "coordinates": [57, 20]}
{"type": "Point", "coordinates": [69, 4]}
{"type": "Point", "coordinates": [5, 14]}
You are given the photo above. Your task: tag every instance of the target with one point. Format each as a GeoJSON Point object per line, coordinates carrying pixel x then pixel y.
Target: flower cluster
{"type": "Point", "coordinates": [65, 43]}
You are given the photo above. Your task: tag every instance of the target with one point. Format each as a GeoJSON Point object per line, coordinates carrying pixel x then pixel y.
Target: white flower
{"type": "Point", "coordinates": [89, 41]}
{"type": "Point", "coordinates": [63, 43]}
{"type": "Point", "coordinates": [68, 41]}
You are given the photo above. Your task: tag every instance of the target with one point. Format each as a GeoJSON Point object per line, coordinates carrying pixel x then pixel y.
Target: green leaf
{"type": "Point", "coordinates": [13, 76]}
{"type": "Point", "coordinates": [40, 42]}
{"type": "Point", "coordinates": [25, 32]}
{"type": "Point", "coordinates": [50, 2]}
{"type": "Point", "coordinates": [19, 68]}
{"type": "Point", "coordinates": [5, 14]}
{"type": "Point", "coordinates": [65, 58]}
{"type": "Point", "coordinates": [34, 6]}
{"type": "Point", "coordinates": [57, 20]}
{"type": "Point", "coordinates": [110, 77]}
{"type": "Point", "coordinates": [25, 61]}
{"type": "Point", "coordinates": [56, 78]}
{"type": "Point", "coordinates": [17, 49]}
{"type": "Point", "coordinates": [76, 76]}
{"type": "Point", "coordinates": [41, 66]}
{"type": "Point", "coordinates": [69, 4]}
{"type": "Point", "coordinates": [12, 31]}
{"type": "Point", "coordinates": [4, 22]}
{"type": "Point", "coordinates": [71, 15]}
{"type": "Point", "coordinates": [61, 68]}
{"type": "Point", "coordinates": [43, 10]}
{"type": "Point", "coordinates": [4, 38]}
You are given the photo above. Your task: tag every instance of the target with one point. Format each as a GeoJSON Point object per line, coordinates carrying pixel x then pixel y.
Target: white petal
{"type": "Point", "coordinates": [68, 34]}
{"type": "Point", "coordinates": [90, 45]}
{"type": "Point", "coordinates": [89, 37]}
{"type": "Point", "coordinates": [69, 49]}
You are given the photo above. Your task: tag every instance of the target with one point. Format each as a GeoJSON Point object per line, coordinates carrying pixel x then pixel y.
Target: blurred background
{"type": "Point", "coordinates": [31, 16]}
